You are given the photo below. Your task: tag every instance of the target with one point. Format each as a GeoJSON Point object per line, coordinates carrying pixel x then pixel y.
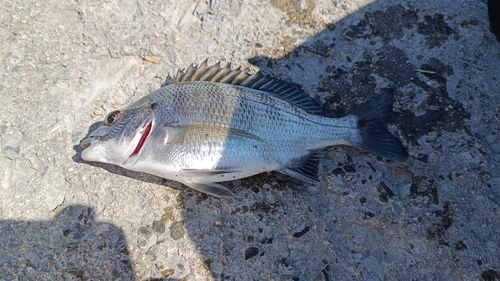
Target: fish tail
{"type": "Point", "coordinates": [372, 124]}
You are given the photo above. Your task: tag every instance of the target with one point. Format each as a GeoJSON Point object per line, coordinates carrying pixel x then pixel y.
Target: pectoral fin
{"type": "Point", "coordinates": [210, 188]}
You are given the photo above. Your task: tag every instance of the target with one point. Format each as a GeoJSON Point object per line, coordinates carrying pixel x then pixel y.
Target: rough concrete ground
{"type": "Point", "coordinates": [65, 64]}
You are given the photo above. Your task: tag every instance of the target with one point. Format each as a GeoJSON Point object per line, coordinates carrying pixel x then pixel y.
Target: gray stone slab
{"type": "Point", "coordinates": [65, 64]}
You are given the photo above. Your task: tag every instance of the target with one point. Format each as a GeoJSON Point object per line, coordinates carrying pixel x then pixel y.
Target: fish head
{"type": "Point", "coordinates": [120, 138]}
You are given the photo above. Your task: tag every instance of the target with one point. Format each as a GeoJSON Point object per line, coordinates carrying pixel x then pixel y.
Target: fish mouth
{"type": "Point", "coordinates": [86, 143]}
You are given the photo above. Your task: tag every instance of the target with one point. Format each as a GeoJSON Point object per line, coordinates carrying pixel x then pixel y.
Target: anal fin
{"type": "Point", "coordinates": [308, 171]}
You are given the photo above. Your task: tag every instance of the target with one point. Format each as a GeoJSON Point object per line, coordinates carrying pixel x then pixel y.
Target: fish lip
{"type": "Point", "coordinates": [86, 143]}
{"type": "Point", "coordinates": [96, 135]}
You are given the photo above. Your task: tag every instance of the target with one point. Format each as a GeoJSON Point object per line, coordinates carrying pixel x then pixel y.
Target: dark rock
{"type": "Point", "coordinates": [251, 252]}
{"type": "Point", "coordinates": [494, 15]}
{"type": "Point", "coordinates": [301, 232]}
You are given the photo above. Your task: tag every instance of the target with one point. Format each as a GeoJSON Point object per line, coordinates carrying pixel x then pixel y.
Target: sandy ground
{"type": "Point", "coordinates": [65, 64]}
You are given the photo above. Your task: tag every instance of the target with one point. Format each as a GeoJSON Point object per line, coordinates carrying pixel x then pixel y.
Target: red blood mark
{"type": "Point", "coordinates": [142, 140]}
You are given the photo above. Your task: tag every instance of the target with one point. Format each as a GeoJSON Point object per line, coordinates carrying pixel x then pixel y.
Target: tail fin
{"type": "Point", "coordinates": [372, 121]}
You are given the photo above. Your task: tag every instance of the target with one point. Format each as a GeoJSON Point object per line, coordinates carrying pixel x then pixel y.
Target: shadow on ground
{"type": "Point", "coordinates": [71, 246]}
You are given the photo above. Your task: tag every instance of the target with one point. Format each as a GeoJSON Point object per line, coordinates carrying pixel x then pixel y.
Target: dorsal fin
{"type": "Point", "coordinates": [287, 91]}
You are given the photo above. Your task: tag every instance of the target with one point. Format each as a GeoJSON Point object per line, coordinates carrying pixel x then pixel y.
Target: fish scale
{"type": "Point", "coordinates": [233, 125]}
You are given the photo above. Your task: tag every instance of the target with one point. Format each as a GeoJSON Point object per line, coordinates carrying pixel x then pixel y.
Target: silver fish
{"type": "Point", "coordinates": [212, 124]}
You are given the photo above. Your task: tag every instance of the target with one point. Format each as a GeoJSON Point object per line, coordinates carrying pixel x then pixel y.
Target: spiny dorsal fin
{"type": "Point", "coordinates": [216, 73]}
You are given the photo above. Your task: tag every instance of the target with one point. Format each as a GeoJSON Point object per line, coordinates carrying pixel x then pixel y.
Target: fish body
{"type": "Point", "coordinates": [214, 124]}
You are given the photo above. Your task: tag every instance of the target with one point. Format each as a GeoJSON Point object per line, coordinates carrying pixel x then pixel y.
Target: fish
{"type": "Point", "coordinates": [211, 124]}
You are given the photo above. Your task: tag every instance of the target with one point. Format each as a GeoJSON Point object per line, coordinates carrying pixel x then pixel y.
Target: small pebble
{"type": "Point", "coordinates": [299, 233]}
{"type": "Point", "coordinates": [159, 227]}
{"type": "Point", "coordinates": [177, 230]}
{"type": "Point", "coordinates": [251, 252]}
{"type": "Point", "coordinates": [12, 152]}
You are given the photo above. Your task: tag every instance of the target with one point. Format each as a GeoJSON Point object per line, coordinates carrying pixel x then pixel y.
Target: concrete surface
{"type": "Point", "coordinates": [65, 64]}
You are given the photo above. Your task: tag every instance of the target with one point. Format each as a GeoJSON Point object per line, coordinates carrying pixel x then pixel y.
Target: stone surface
{"type": "Point", "coordinates": [65, 64]}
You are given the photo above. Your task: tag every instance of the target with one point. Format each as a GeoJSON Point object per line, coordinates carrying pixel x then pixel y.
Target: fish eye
{"type": "Point", "coordinates": [112, 118]}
